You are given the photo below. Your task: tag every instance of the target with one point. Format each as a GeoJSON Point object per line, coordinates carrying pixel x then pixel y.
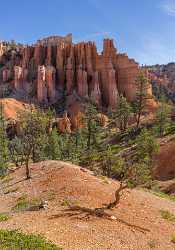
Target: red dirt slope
{"type": "Point", "coordinates": [165, 162]}
{"type": "Point", "coordinates": [12, 107]}
{"type": "Point", "coordinates": [61, 183]}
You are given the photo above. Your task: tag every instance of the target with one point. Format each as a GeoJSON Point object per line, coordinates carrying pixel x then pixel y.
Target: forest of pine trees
{"type": "Point", "coordinates": [92, 146]}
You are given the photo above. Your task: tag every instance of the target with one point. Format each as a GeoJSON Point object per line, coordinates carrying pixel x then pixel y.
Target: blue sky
{"type": "Point", "coordinates": [145, 29]}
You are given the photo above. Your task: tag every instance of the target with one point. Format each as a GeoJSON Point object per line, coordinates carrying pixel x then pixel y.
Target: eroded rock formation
{"type": "Point", "coordinates": [55, 70]}
{"type": "Point", "coordinates": [55, 40]}
{"type": "Point", "coordinates": [1, 49]}
{"type": "Point", "coordinates": [6, 75]}
{"type": "Point", "coordinates": [18, 78]}
{"type": "Point", "coordinates": [64, 124]}
{"type": "Point", "coordinates": [41, 85]}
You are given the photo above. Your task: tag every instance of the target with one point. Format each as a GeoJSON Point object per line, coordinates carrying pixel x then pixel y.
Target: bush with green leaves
{"type": "Point", "coordinates": [16, 240]}
{"type": "Point", "coordinates": [166, 215]}
{"type": "Point", "coordinates": [152, 243]}
{"type": "Point", "coordinates": [4, 217]}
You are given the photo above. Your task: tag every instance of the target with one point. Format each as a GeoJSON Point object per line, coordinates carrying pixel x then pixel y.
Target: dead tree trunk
{"type": "Point", "coordinates": [117, 197]}
{"type": "Point", "coordinates": [100, 211]}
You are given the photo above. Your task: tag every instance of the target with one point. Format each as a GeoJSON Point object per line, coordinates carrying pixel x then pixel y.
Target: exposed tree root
{"type": "Point", "coordinates": [77, 211]}
{"type": "Point", "coordinates": [99, 212]}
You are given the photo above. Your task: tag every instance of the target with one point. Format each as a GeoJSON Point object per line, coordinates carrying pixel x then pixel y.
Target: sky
{"type": "Point", "coordinates": [145, 29]}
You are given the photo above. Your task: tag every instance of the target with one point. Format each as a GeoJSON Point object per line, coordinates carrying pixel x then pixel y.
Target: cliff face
{"type": "Point", "coordinates": [54, 68]}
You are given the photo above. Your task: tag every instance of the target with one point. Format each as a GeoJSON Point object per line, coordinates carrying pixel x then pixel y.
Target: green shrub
{"type": "Point", "coordinates": [65, 203]}
{"type": "Point", "coordinates": [164, 195]}
{"type": "Point", "coordinates": [167, 215]}
{"type": "Point", "coordinates": [6, 179]}
{"type": "Point", "coordinates": [152, 243]}
{"type": "Point", "coordinates": [139, 174]}
{"type": "Point", "coordinates": [16, 241]}
{"type": "Point", "coordinates": [12, 190]}
{"type": "Point", "coordinates": [69, 202]}
{"type": "Point", "coordinates": [23, 203]}
{"type": "Point", "coordinates": [104, 179]}
{"type": "Point", "coordinates": [51, 196]}
{"type": "Point", "coordinates": [4, 217]}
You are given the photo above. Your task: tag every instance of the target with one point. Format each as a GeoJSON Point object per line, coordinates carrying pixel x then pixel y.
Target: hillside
{"type": "Point", "coordinates": [12, 107]}
{"type": "Point", "coordinates": [61, 184]}
{"type": "Point", "coordinates": [163, 80]}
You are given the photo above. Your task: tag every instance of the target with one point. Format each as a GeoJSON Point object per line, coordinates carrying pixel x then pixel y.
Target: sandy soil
{"type": "Point", "coordinates": [60, 183]}
{"type": "Point", "coordinates": [12, 106]}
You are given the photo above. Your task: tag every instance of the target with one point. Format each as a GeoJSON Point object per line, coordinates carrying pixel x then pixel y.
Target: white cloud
{"type": "Point", "coordinates": [169, 7]}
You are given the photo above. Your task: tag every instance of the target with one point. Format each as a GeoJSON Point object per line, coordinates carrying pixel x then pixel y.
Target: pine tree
{"type": "Point", "coordinates": [79, 142]}
{"type": "Point", "coordinates": [34, 124]}
{"type": "Point", "coordinates": [112, 166]}
{"type": "Point", "coordinates": [67, 147]}
{"type": "Point", "coordinates": [53, 148]}
{"type": "Point", "coordinates": [123, 113]}
{"type": "Point", "coordinates": [92, 127]}
{"type": "Point", "coordinates": [142, 86]}
{"type": "Point", "coordinates": [16, 151]}
{"type": "Point", "coordinates": [140, 171]}
{"type": "Point", "coordinates": [147, 147]}
{"type": "Point", "coordinates": [3, 144]}
{"type": "Point", "coordinates": [162, 117]}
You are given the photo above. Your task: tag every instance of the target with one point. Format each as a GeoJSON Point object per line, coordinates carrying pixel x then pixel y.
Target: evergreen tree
{"type": "Point", "coordinates": [162, 117]}
{"type": "Point", "coordinates": [112, 166]}
{"type": "Point", "coordinates": [34, 124]}
{"type": "Point", "coordinates": [147, 147]}
{"type": "Point", "coordinates": [140, 171]}
{"type": "Point", "coordinates": [80, 143]}
{"type": "Point", "coordinates": [53, 148]}
{"type": "Point", "coordinates": [16, 151]}
{"type": "Point", "coordinates": [123, 113]}
{"type": "Point", "coordinates": [142, 86]}
{"type": "Point", "coordinates": [92, 126]}
{"type": "Point", "coordinates": [68, 148]}
{"type": "Point", "coordinates": [3, 144]}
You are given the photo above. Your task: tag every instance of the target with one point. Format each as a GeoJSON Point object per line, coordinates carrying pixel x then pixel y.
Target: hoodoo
{"type": "Point", "coordinates": [55, 68]}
